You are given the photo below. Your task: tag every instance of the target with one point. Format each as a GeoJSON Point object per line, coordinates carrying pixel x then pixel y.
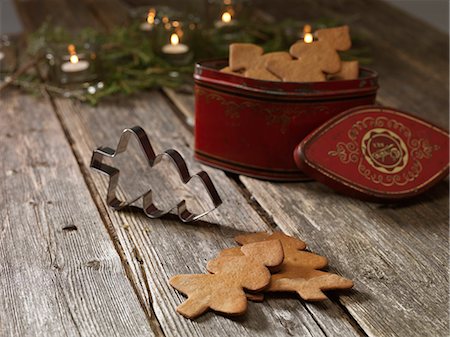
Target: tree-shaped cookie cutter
{"type": "Point", "coordinates": [149, 207]}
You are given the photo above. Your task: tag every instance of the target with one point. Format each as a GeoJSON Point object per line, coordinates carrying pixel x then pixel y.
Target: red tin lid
{"type": "Point", "coordinates": [375, 153]}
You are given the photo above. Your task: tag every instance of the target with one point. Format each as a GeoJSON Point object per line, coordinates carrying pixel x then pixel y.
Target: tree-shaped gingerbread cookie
{"type": "Point", "coordinates": [223, 289]}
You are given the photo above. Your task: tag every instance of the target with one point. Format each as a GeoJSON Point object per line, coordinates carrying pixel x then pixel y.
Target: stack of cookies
{"type": "Point", "coordinates": [305, 62]}
{"type": "Point", "coordinates": [264, 263]}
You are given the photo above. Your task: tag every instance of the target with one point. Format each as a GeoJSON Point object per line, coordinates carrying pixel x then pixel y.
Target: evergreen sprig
{"type": "Point", "coordinates": [129, 63]}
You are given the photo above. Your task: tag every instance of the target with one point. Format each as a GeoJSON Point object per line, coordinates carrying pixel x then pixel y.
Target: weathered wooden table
{"type": "Point", "coordinates": [69, 266]}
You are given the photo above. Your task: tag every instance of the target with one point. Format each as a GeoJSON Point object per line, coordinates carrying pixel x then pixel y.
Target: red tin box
{"type": "Point", "coordinates": [376, 153]}
{"type": "Point", "coordinates": [251, 127]}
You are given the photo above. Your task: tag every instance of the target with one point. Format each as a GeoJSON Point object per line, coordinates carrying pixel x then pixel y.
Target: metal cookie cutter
{"type": "Point", "coordinates": [148, 206]}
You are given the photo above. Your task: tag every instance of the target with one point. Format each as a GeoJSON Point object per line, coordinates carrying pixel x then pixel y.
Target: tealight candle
{"type": "Point", "coordinates": [175, 47]}
{"type": "Point", "coordinates": [150, 22]}
{"type": "Point", "coordinates": [74, 65]}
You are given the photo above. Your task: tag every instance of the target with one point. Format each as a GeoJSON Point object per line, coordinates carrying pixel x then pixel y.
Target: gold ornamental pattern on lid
{"type": "Point", "coordinates": [384, 150]}
{"type": "Point", "coordinates": [388, 146]}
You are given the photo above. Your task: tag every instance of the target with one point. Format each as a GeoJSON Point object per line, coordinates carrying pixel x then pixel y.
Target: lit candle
{"type": "Point", "coordinates": [226, 17]}
{"type": "Point", "coordinates": [225, 20]}
{"type": "Point", "coordinates": [150, 22]}
{"type": "Point", "coordinates": [175, 47]}
{"type": "Point", "coordinates": [307, 36]}
{"type": "Point", "coordinates": [74, 65]}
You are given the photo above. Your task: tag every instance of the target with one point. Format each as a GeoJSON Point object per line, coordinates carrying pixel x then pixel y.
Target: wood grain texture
{"type": "Point", "coordinates": [184, 102]}
{"type": "Point", "coordinates": [59, 272]}
{"type": "Point", "coordinates": [157, 249]}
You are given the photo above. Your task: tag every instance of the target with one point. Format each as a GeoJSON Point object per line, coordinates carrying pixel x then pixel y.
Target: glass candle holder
{"type": "Point", "coordinates": [72, 65]}
{"type": "Point", "coordinates": [8, 56]}
{"type": "Point", "coordinates": [157, 23]}
{"type": "Point", "coordinates": [227, 18]}
{"type": "Point", "coordinates": [174, 41]}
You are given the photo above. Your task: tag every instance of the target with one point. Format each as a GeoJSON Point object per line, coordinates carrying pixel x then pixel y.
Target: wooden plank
{"type": "Point", "coordinates": [184, 102]}
{"type": "Point", "coordinates": [157, 249]}
{"type": "Point", "coordinates": [59, 272]}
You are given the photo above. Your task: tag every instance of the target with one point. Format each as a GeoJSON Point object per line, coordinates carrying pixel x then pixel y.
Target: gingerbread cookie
{"type": "Point", "coordinates": [242, 55]}
{"type": "Point", "coordinates": [319, 54]}
{"type": "Point", "coordinates": [258, 69]}
{"type": "Point", "coordinates": [261, 62]}
{"type": "Point", "coordinates": [223, 289]}
{"type": "Point", "coordinates": [305, 70]}
{"type": "Point", "coordinates": [349, 71]}
{"type": "Point", "coordinates": [299, 269]}
{"type": "Point", "coordinates": [229, 71]}
{"type": "Point", "coordinates": [337, 37]}
{"type": "Point", "coordinates": [261, 74]}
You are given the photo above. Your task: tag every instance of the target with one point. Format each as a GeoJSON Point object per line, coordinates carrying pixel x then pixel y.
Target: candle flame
{"type": "Point", "coordinates": [226, 17]}
{"type": "Point", "coordinates": [308, 38]}
{"type": "Point", "coordinates": [71, 49]}
{"type": "Point", "coordinates": [73, 53]}
{"type": "Point", "coordinates": [174, 39]}
{"type": "Point", "coordinates": [307, 29]}
{"type": "Point", "coordinates": [151, 16]}
{"type": "Point", "coordinates": [74, 58]}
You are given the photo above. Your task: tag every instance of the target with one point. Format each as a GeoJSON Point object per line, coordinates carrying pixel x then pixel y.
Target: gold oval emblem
{"type": "Point", "coordinates": [384, 150]}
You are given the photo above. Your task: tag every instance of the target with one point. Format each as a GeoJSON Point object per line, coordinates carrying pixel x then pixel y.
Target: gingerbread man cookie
{"type": "Point", "coordinates": [223, 289]}
{"type": "Point", "coordinates": [299, 270]}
